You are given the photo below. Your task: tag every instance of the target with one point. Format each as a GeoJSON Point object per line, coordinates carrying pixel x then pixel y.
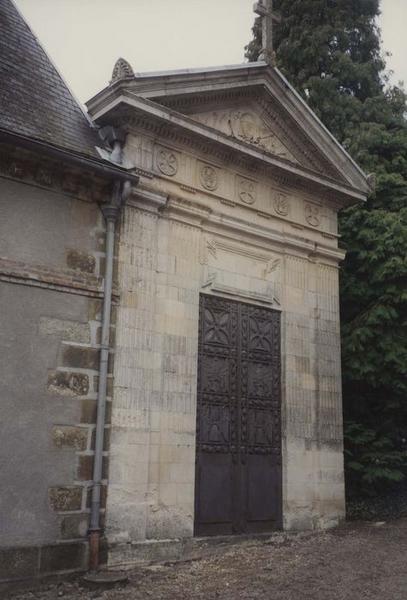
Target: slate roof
{"type": "Point", "coordinates": [34, 99]}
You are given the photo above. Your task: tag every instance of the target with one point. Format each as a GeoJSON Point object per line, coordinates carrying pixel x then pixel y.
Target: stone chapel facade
{"type": "Point", "coordinates": [223, 412]}
{"type": "Point", "coordinates": [227, 414]}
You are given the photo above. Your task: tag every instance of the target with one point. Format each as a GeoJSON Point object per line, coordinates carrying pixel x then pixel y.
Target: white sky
{"type": "Point", "coordinates": [85, 37]}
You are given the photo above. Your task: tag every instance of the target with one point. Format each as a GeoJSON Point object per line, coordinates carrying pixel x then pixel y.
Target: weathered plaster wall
{"type": "Point", "coordinates": [197, 230]}
{"type": "Point", "coordinates": [51, 254]}
{"type": "Point", "coordinates": [54, 227]}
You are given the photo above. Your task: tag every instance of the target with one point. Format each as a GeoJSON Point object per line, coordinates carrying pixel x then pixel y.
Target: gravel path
{"type": "Point", "coordinates": [357, 561]}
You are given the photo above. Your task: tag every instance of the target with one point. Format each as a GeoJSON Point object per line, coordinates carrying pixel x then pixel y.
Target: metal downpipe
{"type": "Point", "coordinates": [110, 212]}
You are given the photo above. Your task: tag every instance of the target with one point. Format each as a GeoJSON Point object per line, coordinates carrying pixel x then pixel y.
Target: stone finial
{"type": "Point", "coordinates": [122, 70]}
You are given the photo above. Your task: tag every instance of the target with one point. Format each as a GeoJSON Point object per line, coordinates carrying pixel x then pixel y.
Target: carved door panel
{"type": "Point", "coordinates": [238, 470]}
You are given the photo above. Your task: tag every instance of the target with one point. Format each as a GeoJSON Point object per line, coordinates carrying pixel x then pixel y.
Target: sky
{"type": "Point", "coordinates": [85, 37]}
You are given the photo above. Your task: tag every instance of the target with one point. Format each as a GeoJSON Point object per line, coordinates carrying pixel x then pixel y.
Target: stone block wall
{"type": "Point", "coordinates": [151, 483]}
{"type": "Point", "coordinates": [314, 484]}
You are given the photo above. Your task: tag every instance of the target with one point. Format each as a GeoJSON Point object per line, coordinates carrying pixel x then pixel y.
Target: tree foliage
{"type": "Point", "coordinates": [331, 52]}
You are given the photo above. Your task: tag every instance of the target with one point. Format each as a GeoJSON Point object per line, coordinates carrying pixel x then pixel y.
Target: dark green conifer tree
{"type": "Point", "coordinates": [331, 52]}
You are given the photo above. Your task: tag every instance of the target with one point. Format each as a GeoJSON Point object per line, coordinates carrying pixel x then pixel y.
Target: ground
{"type": "Point", "coordinates": [359, 561]}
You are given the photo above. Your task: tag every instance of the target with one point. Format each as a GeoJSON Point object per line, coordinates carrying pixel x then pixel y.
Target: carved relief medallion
{"type": "Point", "coordinates": [246, 190]}
{"type": "Point", "coordinates": [248, 126]}
{"type": "Point", "coordinates": [281, 204]}
{"type": "Point", "coordinates": [243, 125]}
{"type": "Point", "coordinates": [167, 161]}
{"type": "Point", "coordinates": [313, 214]}
{"type": "Point", "coordinates": [208, 177]}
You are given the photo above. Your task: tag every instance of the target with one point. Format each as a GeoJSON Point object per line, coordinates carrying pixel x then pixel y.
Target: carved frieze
{"type": "Point", "coordinates": [246, 189]}
{"type": "Point", "coordinates": [49, 174]}
{"type": "Point", "coordinates": [265, 193]}
{"type": "Point", "coordinates": [166, 161]}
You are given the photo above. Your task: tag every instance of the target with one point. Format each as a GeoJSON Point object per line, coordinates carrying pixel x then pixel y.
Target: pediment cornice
{"type": "Point", "coordinates": [143, 116]}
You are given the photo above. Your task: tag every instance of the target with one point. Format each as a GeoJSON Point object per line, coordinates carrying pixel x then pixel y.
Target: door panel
{"type": "Point", "coordinates": [238, 477]}
{"type": "Point", "coordinates": [216, 489]}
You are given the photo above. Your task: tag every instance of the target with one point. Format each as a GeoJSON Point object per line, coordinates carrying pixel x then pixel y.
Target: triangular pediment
{"type": "Point", "coordinates": [250, 110]}
{"type": "Point", "coordinates": [252, 115]}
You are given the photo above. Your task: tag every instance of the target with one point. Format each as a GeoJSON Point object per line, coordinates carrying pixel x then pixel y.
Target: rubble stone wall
{"type": "Point", "coordinates": [51, 261]}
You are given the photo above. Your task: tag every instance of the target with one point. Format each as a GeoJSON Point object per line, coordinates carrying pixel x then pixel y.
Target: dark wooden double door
{"type": "Point", "coordinates": [238, 455]}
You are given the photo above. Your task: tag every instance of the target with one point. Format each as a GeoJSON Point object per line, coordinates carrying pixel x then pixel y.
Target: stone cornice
{"type": "Point", "coordinates": [146, 199]}
{"type": "Point", "coordinates": [155, 84]}
{"type": "Point", "coordinates": [98, 167]}
{"type": "Point", "coordinates": [186, 211]}
{"type": "Point", "coordinates": [218, 289]}
{"type": "Point", "coordinates": [300, 142]}
{"type": "Point", "coordinates": [45, 173]}
{"type": "Point", "coordinates": [267, 237]}
{"type": "Point", "coordinates": [321, 137]}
